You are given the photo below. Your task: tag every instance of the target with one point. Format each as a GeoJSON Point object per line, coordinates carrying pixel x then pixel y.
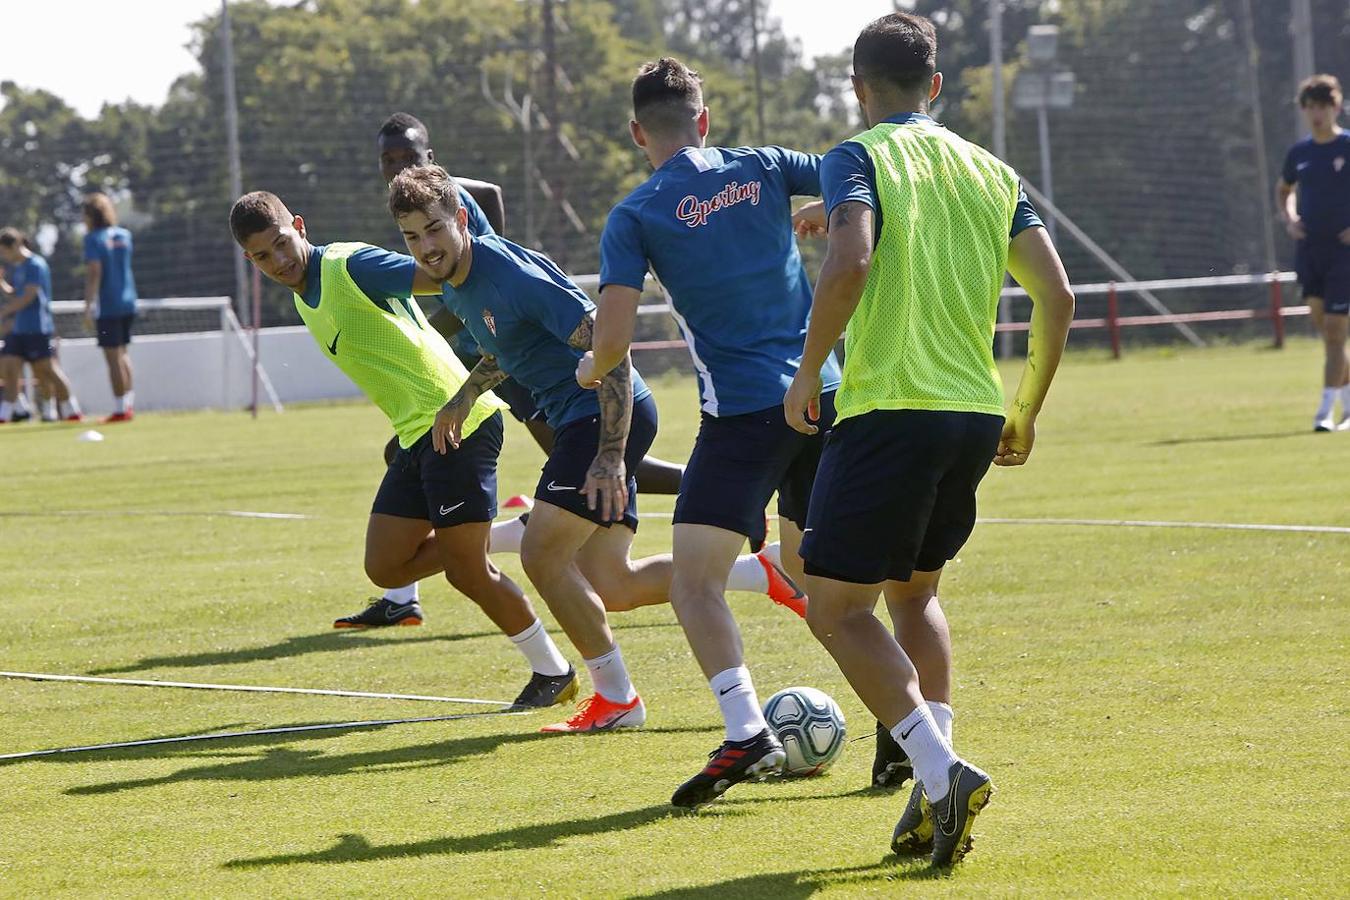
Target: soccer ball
{"type": "Point", "coordinates": [811, 727]}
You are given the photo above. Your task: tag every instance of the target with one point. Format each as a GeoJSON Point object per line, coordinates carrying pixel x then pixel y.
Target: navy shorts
{"type": "Point", "coordinates": [739, 461]}
{"type": "Point", "coordinates": [445, 490]}
{"type": "Point", "coordinates": [512, 392]}
{"type": "Point", "coordinates": [1323, 269]}
{"type": "Point", "coordinates": [28, 347]}
{"type": "Point", "coordinates": [574, 446]}
{"type": "Point", "coordinates": [895, 493]}
{"type": "Point", "coordinates": [114, 331]}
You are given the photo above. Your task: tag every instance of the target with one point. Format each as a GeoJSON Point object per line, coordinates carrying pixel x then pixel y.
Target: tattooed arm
{"type": "Point", "coordinates": [449, 424]}
{"type": "Point", "coordinates": [1035, 264]}
{"type": "Point", "coordinates": [607, 481]}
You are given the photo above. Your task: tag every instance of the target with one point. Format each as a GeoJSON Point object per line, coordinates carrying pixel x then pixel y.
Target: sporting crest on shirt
{"type": "Point", "coordinates": [490, 321]}
{"type": "Point", "coordinates": [1338, 163]}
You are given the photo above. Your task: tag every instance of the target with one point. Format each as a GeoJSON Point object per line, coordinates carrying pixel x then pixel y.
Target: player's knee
{"type": "Point", "coordinates": [614, 587]}
{"type": "Point", "coordinates": [692, 591]}
{"type": "Point", "coordinates": [383, 574]}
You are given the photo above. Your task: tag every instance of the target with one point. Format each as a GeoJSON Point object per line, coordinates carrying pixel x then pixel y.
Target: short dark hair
{"type": "Point", "coordinates": [899, 50]}
{"type": "Point", "coordinates": [12, 237]}
{"type": "Point", "coordinates": [98, 209]}
{"type": "Point", "coordinates": [400, 123]}
{"type": "Point", "coordinates": [418, 188]}
{"type": "Point", "coordinates": [257, 211]}
{"type": "Point", "coordinates": [1320, 89]}
{"type": "Point", "coordinates": [667, 95]}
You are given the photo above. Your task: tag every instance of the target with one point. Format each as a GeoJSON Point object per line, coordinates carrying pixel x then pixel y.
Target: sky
{"type": "Point", "coordinates": [149, 39]}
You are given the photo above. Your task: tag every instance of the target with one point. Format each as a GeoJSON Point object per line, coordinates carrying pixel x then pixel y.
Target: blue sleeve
{"type": "Point", "coordinates": [801, 170]}
{"type": "Point", "coordinates": [478, 220]}
{"type": "Point", "coordinates": [382, 274]}
{"type": "Point", "coordinates": [846, 173]}
{"type": "Point", "coordinates": [623, 261]}
{"type": "Point", "coordinates": [1289, 171]}
{"type": "Point", "coordinates": [92, 248]}
{"type": "Point", "coordinates": [552, 306]}
{"type": "Point", "coordinates": [1025, 215]}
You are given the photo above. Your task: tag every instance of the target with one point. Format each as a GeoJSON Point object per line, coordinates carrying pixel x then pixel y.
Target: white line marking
{"type": "Point", "coordinates": [90, 679]}
{"type": "Point", "coordinates": [326, 726]}
{"type": "Point", "coordinates": [116, 513]}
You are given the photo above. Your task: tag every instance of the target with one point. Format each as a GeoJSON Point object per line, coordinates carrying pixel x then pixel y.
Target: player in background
{"type": "Point", "coordinates": [715, 227]}
{"type": "Point", "coordinates": [26, 322]}
{"type": "Point", "coordinates": [533, 323]}
{"type": "Point", "coordinates": [433, 510]}
{"type": "Point", "coordinates": [403, 141]}
{"type": "Point", "coordinates": [1312, 197]}
{"type": "Point", "coordinates": [922, 226]}
{"type": "Point", "coordinates": [110, 287]}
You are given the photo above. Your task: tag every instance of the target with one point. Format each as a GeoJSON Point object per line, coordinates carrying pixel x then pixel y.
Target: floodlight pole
{"type": "Point", "coordinates": [1301, 30]}
{"type": "Point", "coordinates": [1047, 183]}
{"type": "Point", "coordinates": [232, 150]}
{"type": "Point", "coordinates": [1000, 134]}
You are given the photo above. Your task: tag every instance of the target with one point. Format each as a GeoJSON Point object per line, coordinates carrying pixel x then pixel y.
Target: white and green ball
{"type": "Point", "coordinates": [811, 727]}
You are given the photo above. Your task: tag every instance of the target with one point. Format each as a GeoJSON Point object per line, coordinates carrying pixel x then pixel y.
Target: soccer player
{"type": "Point", "coordinates": [922, 226]}
{"type": "Point", "coordinates": [433, 510]}
{"type": "Point", "coordinates": [26, 320]}
{"type": "Point", "coordinates": [534, 324]}
{"type": "Point", "coordinates": [715, 226]}
{"type": "Point", "coordinates": [110, 296]}
{"type": "Point", "coordinates": [1312, 196]}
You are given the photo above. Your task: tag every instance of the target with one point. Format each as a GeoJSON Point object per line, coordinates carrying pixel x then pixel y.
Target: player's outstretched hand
{"type": "Point", "coordinates": [449, 424]}
{"type": "Point", "coordinates": [1014, 446]}
{"type": "Point", "coordinates": [801, 404]}
{"type": "Point", "coordinates": [606, 486]}
{"type": "Point", "coordinates": [809, 221]}
{"type": "Point", "coordinates": [586, 371]}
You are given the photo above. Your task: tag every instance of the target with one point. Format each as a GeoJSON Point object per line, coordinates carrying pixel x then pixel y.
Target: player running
{"type": "Point", "coordinates": [715, 226]}
{"type": "Point", "coordinates": [919, 240]}
{"type": "Point", "coordinates": [110, 287]}
{"type": "Point", "coordinates": [534, 324]}
{"type": "Point", "coordinates": [1312, 197]}
{"type": "Point", "coordinates": [27, 326]}
{"type": "Point", "coordinates": [433, 510]}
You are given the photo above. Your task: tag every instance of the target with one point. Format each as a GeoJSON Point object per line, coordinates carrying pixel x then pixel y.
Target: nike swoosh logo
{"type": "Point", "coordinates": [332, 348]}
{"type": "Point", "coordinates": [948, 822]}
{"type": "Point", "coordinates": [554, 486]}
{"type": "Point", "coordinates": [904, 735]}
{"type": "Point", "coordinates": [724, 691]}
{"type": "Point", "coordinates": [447, 510]}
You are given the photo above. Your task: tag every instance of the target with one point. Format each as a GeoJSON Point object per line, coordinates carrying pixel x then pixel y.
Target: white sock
{"type": "Point", "coordinates": [540, 650]}
{"type": "Point", "coordinates": [747, 574]}
{"type": "Point", "coordinates": [1328, 401]}
{"type": "Point", "coordinates": [735, 694]}
{"type": "Point", "coordinates": [120, 404]}
{"type": "Point", "coordinates": [6, 410]}
{"type": "Point", "coordinates": [21, 402]}
{"type": "Point", "coordinates": [49, 408]}
{"type": "Point", "coordinates": [943, 715]}
{"type": "Point", "coordinates": [1345, 401]}
{"type": "Point", "coordinates": [505, 536]}
{"type": "Point", "coordinates": [402, 595]}
{"type": "Point", "coordinates": [129, 398]}
{"type": "Point", "coordinates": [927, 749]}
{"type": "Point", "coordinates": [773, 553]}
{"type": "Point", "coordinates": [610, 677]}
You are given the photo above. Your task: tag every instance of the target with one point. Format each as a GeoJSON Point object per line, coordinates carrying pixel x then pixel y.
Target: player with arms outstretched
{"type": "Point", "coordinates": [922, 227]}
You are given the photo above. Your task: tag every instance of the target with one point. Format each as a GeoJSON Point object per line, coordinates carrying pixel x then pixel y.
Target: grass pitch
{"type": "Point", "coordinates": [1163, 711]}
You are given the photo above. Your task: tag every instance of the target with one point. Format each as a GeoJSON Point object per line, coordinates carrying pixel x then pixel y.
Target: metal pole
{"type": "Point", "coordinates": [1005, 338]}
{"type": "Point", "coordinates": [232, 150]}
{"type": "Point", "coordinates": [1301, 30]}
{"type": "Point", "coordinates": [1047, 185]}
{"type": "Point", "coordinates": [754, 56]}
{"type": "Point", "coordinates": [1263, 182]}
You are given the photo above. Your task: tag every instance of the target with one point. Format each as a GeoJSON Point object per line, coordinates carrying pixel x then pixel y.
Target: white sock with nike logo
{"type": "Point", "coordinates": [747, 574]}
{"type": "Point", "coordinates": [943, 715]}
{"type": "Point", "coordinates": [735, 694]}
{"type": "Point", "coordinates": [610, 677]}
{"type": "Point", "coordinates": [540, 650]}
{"type": "Point", "coordinates": [505, 537]}
{"type": "Point", "coordinates": [402, 595]}
{"type": "Point", "coordinates": [928, 750]}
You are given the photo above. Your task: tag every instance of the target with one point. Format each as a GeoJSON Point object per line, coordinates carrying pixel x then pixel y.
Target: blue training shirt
{"type": "Point", "coordinates": [36, 317]}
{"type": "Point", "coordinates": [382, 275]}
{"type": "Point", "coordinates": [479, 226]}
{"type": "Point", "coordinates": [111, 247]}
{"type": "Point", "coordinates": [521, 308]}
{"type": "Point", "coordinates": [1322, 174]}
{"type": "Point", "coordinates": [715, 226]}
{"type": "Point", "coordinates": [847, 173]}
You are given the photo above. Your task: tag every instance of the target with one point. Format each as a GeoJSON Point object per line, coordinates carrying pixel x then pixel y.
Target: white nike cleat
{"type": "Point", "coordinates": [1326, 423]}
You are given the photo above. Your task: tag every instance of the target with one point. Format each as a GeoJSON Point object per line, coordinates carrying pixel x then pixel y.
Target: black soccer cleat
{"type": "Point", "coordinates": [914, 832]}
{"type": "Point", "coordinates": [383, 612]}
{"type": "Point", "coordinates": [548, 690]}
{"type": "Point", "coordinates": [954, 815]}
{"type": "Point", "coordinates": [753, 759]}
{"type": "Point", "coordinates": [890, 766]}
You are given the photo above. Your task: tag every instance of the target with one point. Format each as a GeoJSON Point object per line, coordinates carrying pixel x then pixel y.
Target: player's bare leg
{"type": "Point", "coordinates": [656, 476]}
{"type": "Point", "coordinates": [48, 372]}
{"type": "Point", "coordinates": [623, 583]}
{"type": "Point", "coordinates": [11, 371]}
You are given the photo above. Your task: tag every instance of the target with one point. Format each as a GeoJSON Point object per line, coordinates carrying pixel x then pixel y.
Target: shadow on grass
{"type": "Point", "coordinates": [806, 882]}
{"type": "Point", "coordinates": [326, 642]}
{"type": "Point", "coordinates": [1227, 438]}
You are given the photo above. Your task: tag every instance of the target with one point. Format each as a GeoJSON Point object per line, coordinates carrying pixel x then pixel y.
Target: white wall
{"type": "Point", "coordinates": [206, 370]}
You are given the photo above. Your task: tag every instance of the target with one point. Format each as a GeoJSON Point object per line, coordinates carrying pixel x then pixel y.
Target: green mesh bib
{"type": "Point", "coordinates": [922, 335]}
{"type": "Point", "coordinates": [396, 358]}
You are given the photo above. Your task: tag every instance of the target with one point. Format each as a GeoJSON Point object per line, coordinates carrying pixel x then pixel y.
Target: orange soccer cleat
{"type": "Point", "coordinates": [596, 713]}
